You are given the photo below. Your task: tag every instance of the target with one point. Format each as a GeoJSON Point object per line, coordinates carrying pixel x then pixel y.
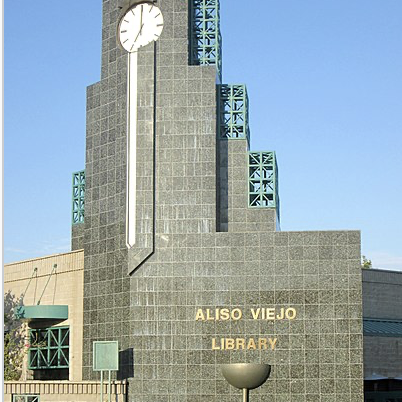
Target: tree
{"type": "Point", "coordinates": [14, 339]}
{"type": "Point", "coordinates": [366, 263]}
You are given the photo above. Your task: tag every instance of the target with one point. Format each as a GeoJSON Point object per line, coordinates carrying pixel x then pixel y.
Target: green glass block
{"type": "Point", "coordinates": [233, 112]}
{"type": "Point", "coordinates": [205, 36]}
{"type": "Point", "coordinates": [263, 180]}
{"type": "Point", "coordinates": [78, 198]}
{"type": "Point", "coordinates": [49, 348]}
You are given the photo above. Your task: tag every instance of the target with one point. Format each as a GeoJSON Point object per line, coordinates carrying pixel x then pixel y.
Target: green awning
{"type": "Point", "coordinates": [378, 327]}
{"type": "Point", "coordinates": [43, 313]}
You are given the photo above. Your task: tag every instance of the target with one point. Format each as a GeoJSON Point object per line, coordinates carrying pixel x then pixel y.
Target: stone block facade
{"type": "Point", "coordinates": [199, 247]}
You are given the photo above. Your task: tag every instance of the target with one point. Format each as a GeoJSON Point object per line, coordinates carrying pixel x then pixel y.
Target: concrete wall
{"type": "Point", "coordinates": [65, 287]}
{"type": "Point", "coordinates": [382, 294]}
{"type": "Point", "coordinates": [382, 298]}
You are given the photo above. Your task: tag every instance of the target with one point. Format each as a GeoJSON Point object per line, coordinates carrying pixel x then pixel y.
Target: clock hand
{"type": "Point", "coordinates": [141, 24]}
{"type": "Point", "coordinates": [139, 33]}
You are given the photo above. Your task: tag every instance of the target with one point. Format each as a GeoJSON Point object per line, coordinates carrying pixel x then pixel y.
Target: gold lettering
{"type": "Point", "coordinates": [230, 343]}
{"type": "Point", "coordinates": [281, 315]}
{"type": "Point", "coordinates": [209, 318]}
{"type": "Point", "coordinates": [255, 313]}
{"type": "Point", "coordinates": [272, 342]}
{"type": "Point", "coordinates": [236, 314]}
{"type": "Point", "coordinates": [199, 315]}
{"type": "Point", "coordinates": [225, 314]}
{"type": "Point", "coordinates": [291, 313]}
{"type": "Point", "coordinates": [214, 346]}
{"type": "Point", "coordinates": [262, 342]}
{"type": "Point", "coordinates": [240, 343]}
{"type": "Point", "coordinates": [270, 313]}
{"type": "Point", "coordinates": [251, 344]}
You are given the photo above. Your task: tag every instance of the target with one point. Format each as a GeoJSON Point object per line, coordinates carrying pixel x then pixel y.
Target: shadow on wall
{"type": "Point", "coordinates": [126, 364]}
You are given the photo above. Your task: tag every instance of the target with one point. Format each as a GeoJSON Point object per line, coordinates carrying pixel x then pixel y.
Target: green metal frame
{"type": "Point", "coordinates": [26, 398]}
{"type": "Point", "coordinates": [233, 116]}
{"type": "Point", "coordinates": [78, 208]}
{"type": "Point", "coordinates": [263, 180]}
{"type": "Point", "coordinates": [49, 348]}
{"type": "Point", "coordinates": [205, 34]}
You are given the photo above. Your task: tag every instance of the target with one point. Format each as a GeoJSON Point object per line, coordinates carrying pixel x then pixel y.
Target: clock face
{"type": "Point", "coordinates": [141, 25]}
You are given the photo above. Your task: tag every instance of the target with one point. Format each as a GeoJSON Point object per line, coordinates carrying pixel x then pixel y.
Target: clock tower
{"type": "Point", "coordinates": [185, 264]}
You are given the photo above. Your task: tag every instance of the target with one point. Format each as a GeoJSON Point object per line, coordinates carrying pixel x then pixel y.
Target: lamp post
{"type": "Point", "coordinates": [246, 376]}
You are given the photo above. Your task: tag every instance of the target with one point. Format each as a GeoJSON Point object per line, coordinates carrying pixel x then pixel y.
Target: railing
{"type": "Point", "coordinates": [69, 390]}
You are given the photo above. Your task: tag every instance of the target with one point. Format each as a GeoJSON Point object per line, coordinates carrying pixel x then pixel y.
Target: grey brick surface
{"type": "Point", "coordinates": [77, 236]}
{"type": "Point", "coordinates": [382, 294]}
{"type": "Point", "coordinates": [199, 246]}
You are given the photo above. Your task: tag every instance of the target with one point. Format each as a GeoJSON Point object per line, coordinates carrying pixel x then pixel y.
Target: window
{"type": "Point", "coordinates": [26, 398]}
{"type": "Point", "coordinates": [49, 348]}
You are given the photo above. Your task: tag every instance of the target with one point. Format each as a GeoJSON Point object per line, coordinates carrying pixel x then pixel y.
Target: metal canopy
{"type": "Point", "coordinates": [43, 313]}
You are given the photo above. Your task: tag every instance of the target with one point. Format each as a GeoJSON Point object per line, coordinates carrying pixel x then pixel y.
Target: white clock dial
{"type": "Point", "coordinates": [141, 25]}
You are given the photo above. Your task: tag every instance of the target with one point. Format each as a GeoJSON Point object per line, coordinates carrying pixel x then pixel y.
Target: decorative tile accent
{"type": "Point", "coordinates": [233, 112]}
{"type": "Point", "coordinates": [205, 34]}
{"type": "Point", "coordinates": [78, 197]}
{"type": "Point", "coordinates": [263, 180]}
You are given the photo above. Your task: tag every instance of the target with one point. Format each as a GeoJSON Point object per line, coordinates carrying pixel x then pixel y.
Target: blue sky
{"type": "Point", "coordinates": [324, 82]}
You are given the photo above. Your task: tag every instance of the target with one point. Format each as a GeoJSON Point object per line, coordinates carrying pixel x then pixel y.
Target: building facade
{"type": "Point", "coordinates": [207, 240]}
{"type": "Point", "coordinates": [382, 311]}
{"type": "Point", "coordinates": [52, 367]}
{"type": "Point", "coordinates": [184, 261]}
{"type": "Point", "coordinates": [382, 294]}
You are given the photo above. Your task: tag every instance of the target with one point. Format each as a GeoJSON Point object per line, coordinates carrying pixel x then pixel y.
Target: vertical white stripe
{"type": "Point", "coordinates": [132, 78]}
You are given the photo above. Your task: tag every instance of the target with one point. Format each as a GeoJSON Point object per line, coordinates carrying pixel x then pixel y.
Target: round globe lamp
{"type": "Point", "coordinates": [246, 376]}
